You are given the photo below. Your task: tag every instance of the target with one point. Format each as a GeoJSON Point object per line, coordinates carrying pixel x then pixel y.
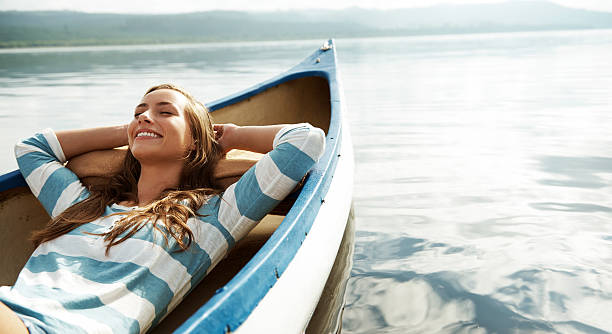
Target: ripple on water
{"type": "Point", "coordinates": [407, 302]}
{"type": "Point", "coordinates": [403, 284]}
{"type": "Point", "coordinates": [578, 172]}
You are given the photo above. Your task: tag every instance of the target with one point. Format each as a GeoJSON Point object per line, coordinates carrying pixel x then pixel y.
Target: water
{"type": "Point", "coordinates": [483, 175]}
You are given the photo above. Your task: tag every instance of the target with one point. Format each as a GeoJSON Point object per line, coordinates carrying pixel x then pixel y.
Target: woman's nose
{"type": "Point", "coordinates": [144, 117]}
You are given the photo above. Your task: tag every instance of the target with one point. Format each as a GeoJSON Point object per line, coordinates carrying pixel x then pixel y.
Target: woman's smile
{"type": "Point", "coordinates": [147, 134]}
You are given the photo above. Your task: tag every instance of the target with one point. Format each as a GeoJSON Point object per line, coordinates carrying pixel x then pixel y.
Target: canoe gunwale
{"type": "Point", "coordinates": [12, 180]}
{"type": "Point", "coordinates": [233, 303]}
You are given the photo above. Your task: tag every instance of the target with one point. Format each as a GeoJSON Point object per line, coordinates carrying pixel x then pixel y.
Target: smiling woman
{"type": "Point", "coordinates": [120, 256]}
{"type": "Point", "coordinates": [160, 130]}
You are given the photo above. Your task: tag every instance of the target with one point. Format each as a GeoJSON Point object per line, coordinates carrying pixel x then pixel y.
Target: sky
{"type": "Point", "coordinates": [182, 6]}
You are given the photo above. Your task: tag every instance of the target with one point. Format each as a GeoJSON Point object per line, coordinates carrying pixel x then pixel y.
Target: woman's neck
{"type": "Point", "coordinates": [154, 179]}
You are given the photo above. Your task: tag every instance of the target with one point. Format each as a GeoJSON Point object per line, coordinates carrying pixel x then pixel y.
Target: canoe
{"type": "Point", "coordinates": [275, 277]}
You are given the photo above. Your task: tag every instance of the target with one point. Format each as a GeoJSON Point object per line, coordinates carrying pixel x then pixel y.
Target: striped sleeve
{"type": "Point", "coordinates": [41, 162]}
{"type": "Point", "coordinates": [296, 149]}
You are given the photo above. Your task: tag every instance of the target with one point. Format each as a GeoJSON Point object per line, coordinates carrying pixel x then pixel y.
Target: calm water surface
{"type": "Point", "coordinates": [483, 184]}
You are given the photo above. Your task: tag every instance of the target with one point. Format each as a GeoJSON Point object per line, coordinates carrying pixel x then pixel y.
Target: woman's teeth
{"type": "Point", "coordinates": [147, 134]}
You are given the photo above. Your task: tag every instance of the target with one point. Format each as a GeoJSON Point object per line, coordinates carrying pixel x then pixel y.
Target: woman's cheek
{"type": "Point", "coordinates": [130, 129]}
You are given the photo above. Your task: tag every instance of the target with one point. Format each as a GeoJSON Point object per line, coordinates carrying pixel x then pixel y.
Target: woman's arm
{"type": "Point", "coordinates": [249, 138]}
{"type": "Point", "coordinates": [296, 148]}
{"type": "Point", "coordinates": [96, 159]}
{"type": "Point", "coordinates": [41, 162]}
{"type": "Point", "coordinates": [77, 142]}
{"type": "Point", "coordinates": [101, 163]}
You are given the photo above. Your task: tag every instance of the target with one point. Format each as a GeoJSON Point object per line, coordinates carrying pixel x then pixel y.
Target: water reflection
{"type": "Point", "coordinates": [406, 301]}
{"type": "Point", "coordinates": [225, 57]}
{"type": "Point", "coordinates": [579, 172]}
{"type": "Point", "coordinates": [571, 207]}
{"type": "Point", "coordinates": [327, 317]}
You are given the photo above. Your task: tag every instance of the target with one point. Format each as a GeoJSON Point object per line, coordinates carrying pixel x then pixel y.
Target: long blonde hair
{"type": "Point", "coordinates": [174, 206]}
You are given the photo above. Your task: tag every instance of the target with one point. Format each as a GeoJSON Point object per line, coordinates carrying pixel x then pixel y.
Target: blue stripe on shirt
{"type": "Point", "coordinates": [41, 320]}
{"type": "Point", "coordinates": [83, 195]}
{"type": "Point", "coordinates": [32, 160]}
{"type": "Point", "coordinates": [54, 186]}
{"type": "Point", "coordinates": [41, 142]}
{"type": "Point", "coordinates": [210, 215]}
{"type": "Point", "coordinates": [250, 199]}
{"type": "Point", "coordinates": [194, 259]}
{"type": "Point", "coordinates": [148, 286]}
{"type": "Point", "coordinates": [291, 161]}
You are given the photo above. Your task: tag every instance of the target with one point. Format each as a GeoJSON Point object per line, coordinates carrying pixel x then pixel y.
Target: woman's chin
{"type": "Point", "coordinates": [153, 155]}
{"type": "Point", "coordinates": [146, 154]}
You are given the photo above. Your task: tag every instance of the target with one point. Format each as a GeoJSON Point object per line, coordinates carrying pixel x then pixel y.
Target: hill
{"type": "Point", "coordinates": [56, 28]}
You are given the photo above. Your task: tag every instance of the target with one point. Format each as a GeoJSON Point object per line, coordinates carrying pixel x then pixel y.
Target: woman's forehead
{"type": "Point", "coordinates": [165, 95]}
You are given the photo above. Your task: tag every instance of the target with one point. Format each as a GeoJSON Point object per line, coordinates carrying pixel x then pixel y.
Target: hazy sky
{"type": "Point", "coordinates": [178, 6]}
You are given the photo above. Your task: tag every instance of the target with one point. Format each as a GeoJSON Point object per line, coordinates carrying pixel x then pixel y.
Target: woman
{"type": "Point", "coordinates": [119, 257]}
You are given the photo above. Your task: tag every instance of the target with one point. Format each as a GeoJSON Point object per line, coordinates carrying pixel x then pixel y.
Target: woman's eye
{"type": "Point", "coordinates": [166, 113]}
{"type": "Point", "coordinates": [137, 114]}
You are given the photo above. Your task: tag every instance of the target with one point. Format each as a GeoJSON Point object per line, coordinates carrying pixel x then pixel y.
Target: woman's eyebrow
{"type": "Point", "coordinates": [163, 103]}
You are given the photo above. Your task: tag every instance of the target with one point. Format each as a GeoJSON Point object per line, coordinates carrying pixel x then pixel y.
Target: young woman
{"type": "Point", "coordinates": [117, 258]}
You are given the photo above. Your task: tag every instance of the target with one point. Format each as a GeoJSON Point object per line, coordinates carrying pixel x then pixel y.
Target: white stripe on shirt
{"type": "Point", "coordinates": [132, 250]}
{"type": "Point", "coordinates": [54, 144]}
{"type": "Point", "coordinates": [229, 215]}
{"type": "Point", "coordinates": [22, 149]}
{"type": "Point", "coordinates": [113, 295]}
{"type": "Point", "coordinates": [54, 309]}
{"type": "Point", "coordinates": [37, 179]}
{"type": "Point", "coordinates": [307, 138]}
{"type": "Point", "coordinates": [267, 174]}
{"type": "Point", "coordinates": [65, 200]}
{"type": "Point", "coordinates": [208, 238]}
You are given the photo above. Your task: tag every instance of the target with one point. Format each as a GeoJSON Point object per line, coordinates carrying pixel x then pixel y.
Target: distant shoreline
{"type": "Point", "coordinates": [66, 28]}
{"type": "Point", "coordinates": [102, 43]}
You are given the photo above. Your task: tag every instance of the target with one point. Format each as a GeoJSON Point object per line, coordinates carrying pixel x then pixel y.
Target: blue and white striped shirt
{"type": "Point", "coordinates": [69, 285]}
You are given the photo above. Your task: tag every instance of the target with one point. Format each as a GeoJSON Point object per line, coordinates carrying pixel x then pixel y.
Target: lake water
{"type": "Point", "coordinates": [483, 182]}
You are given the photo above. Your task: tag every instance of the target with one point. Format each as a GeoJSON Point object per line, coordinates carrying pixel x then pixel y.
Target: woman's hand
{"type": "Point", "coordinates": [249, 138]}
{"type": "Point", "coordinates": [225, 135]}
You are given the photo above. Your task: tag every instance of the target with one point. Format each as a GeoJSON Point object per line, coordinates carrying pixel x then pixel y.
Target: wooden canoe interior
{"type": "Point", "coordinates": [300, 100]}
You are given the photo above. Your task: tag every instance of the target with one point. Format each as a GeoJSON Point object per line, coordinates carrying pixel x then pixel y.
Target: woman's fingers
{"type": "Point", "coordinates": [218, 131]}
{"type": "Point", "coordinates": [224, 135]}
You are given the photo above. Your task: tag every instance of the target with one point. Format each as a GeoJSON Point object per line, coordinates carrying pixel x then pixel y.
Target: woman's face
{"type": "Point", "coordinates": [159, 131]}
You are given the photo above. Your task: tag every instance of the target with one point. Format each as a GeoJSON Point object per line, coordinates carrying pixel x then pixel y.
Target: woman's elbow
{"type": "Point", "coordinates": [317, 139]}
